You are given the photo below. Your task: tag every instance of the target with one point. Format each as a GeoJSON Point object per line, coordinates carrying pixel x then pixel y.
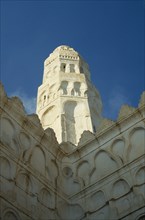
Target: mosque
{"type": "Point", "coordinates": [67, 162]}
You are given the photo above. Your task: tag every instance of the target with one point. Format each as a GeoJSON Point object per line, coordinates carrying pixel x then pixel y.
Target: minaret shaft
{"type": "Point", "coordinates": [67, 101]}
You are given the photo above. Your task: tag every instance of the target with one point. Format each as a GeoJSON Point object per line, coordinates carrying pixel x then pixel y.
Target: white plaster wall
{"type": "Point", "coordinates": [101, 178]}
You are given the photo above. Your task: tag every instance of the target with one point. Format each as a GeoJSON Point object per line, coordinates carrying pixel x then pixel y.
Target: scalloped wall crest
{"type": "Point", "coordinates": [85, 137]}
{"type": "Point", "coordinates": [125, 111]}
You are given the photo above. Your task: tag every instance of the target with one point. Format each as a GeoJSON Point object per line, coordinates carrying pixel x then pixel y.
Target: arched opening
{"type": "Point", "coordinates": [64, 85]}
{"type": "Point", "coordinates": [72, 68]}
{"type": "Point", "coordinates": [63, 67]}
{"type": "Point", "coordinates": [77, 88]}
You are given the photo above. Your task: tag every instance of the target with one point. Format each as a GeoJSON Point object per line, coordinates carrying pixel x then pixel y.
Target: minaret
{"type": "Point", "coordinates": [67, 101]}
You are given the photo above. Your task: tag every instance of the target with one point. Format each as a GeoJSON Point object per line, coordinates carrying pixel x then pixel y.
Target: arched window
{"type": "Point", "coordinates": [72, 68]}
{"type": "Point", "coordinates": [77, 88]}
{"type": "Point", "coordinates": [63, 67]}
{"type": "Point", "coordinates": [64, 85]}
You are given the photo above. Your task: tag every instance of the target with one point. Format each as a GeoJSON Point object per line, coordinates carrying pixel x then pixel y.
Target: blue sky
{"type": "Point", "coordinates": [108, 34]}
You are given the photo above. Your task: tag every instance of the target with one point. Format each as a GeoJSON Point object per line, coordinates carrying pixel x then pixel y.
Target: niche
{"type": "Point", "coordinates": [77, 88]}
{"type": "Point", "coordinates": [69, 122]}
{"type": "Point", "coordinates": [64, 85]}
{"type": "Point", "coordinates": [118, 148]}
{"type": "Point", "coordinates": [72, 69]}
{"type": "Point", "coordinates": [63, 67]}
{"type": "Point", "coordinates": [120, 188]}
{"type": "Point", "coordinates": [140, 176]}
{"type": "Point", "coordinates": [38, 160]}
{"type": "Point", "coordinates": [4, 167]}
{"type": "Point", "coordinates": [103, 169]}
{"type": "Point", "coordinates": [97, 200]}
{"type": "Point", "coordinates": [136, 144]}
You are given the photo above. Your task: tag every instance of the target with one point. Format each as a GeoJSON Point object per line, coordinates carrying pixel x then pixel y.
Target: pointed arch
{"type": "Point", "coordinates": [108, 167]}
{"type": "Point", "coordinates": [37, 159]}
{"type": "Point", "coordinates": [23, 181]}
{"type": "Point", "coordinates": [137, 143]}
{"type": "Point", "coordinates": [120, 188]}
{"type": "Point", "coordinates": [5, 168]}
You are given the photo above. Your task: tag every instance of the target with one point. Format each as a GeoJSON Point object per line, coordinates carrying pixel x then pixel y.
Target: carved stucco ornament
{"type": "Point", "coordinates": [85, 137]}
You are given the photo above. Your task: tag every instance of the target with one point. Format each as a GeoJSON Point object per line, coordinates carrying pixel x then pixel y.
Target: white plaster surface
{"type": "Point", "coordinates": [67, 101]}
{"type": "Point", "coordinates": [100, 178]}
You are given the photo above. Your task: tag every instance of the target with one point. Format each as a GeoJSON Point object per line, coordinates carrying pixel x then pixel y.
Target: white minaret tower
{"type": "Point", "coordinates": [67, 101]}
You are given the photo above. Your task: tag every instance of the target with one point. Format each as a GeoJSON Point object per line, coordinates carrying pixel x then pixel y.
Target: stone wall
{"type": "Point", "coordinates": [101, 178]}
